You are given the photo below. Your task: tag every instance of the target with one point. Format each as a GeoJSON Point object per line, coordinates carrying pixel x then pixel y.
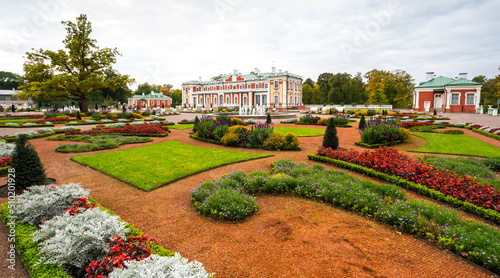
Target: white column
{"type": "Point", "coordinates": [478, 97]}
{"type": "Point", "coordinates": [416, 99]}
{"type": "Point", "coordinates": [285, 94]}
{"type": "Point", "coordinates": [448, 98]}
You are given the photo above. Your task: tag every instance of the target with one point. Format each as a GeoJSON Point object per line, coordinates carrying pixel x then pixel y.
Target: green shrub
{"type": "Point", "coordinates": [381, 134]}
{"type": "Point", "coordinates": [29, 167]}
{"type": "Point", "coordinates": [330, 139]}
{"type": "Point", "coordinates": [78, 116]}
{"type": "Point", "coordinates": [275, 141]}
{"type": "Point", "coordinates": [291, 141]}
{"type": "Point", "coordinates": [219, 131]}
{"type": "Point", "coordinates": [259, 133]}
{"type": "Point", "coordinates": [362, 123]}
{"type": "Point", "coordinates": [268, 119]}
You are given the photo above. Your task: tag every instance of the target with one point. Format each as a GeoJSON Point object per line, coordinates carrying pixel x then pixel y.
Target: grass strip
{"type": "Point", "coordinates": [456, 145]}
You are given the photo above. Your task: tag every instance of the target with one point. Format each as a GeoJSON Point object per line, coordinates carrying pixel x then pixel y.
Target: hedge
{"type": "Point", "coordinates": [4, 171]}
{"type": "Point", "coordinates": [25, 126]}
{"type": "Point", "coordinates": [374, 146]}
{"type": "Point", "coordinates": [47, 134]}
{"type": "Point", "coordinates": [484, 213]}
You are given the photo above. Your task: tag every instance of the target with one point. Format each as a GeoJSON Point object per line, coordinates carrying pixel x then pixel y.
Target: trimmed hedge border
{"type": "Point", "coordinates": [186, 123]}
{"type": "Point", "coordinates": [100, 123]}
{"type": "Point", "coordinates": [47, 134]}
{"type": "Point", "coordinates": [303, 123]}
{"type": "Point", "coordinates": [374, 146]}
{"type": "Point", "coordinates": [491, 135]}
{"type": "Point", "coordinates": [205, 140]}
{"type": "Point", "coordinates": [30, 253]}
{"type": "Point", "coordinates": [4, 170]}
{"type": "Point", "coordinates": [22, 126]}
{"type": "Point", "coordinates": [487, 214]}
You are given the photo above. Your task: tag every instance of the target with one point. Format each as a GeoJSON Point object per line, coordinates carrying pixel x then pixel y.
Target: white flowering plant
{"type": "Point", "coordinates": [6, 149]}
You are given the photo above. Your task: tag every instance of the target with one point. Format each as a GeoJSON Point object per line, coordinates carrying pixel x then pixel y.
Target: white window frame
{"type": "Point", "coordinates": [235, 99]}
{"type": "Point", "coordinates": [257, 86]}
{"type": "Point", "coordinates": [458, 99]}
{"type": "Point", "coordinates": [7, 98]}
{"type": "Point", "coordinates": [265, 85]}
{"type": "Point", "coordinates": [467, 98]}
{"type": "Point", "coordinates": [276, 84]}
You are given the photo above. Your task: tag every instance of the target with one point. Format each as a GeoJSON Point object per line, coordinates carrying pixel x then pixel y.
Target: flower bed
{"type": "Point", "coordinates": [143, 130]}
{"type": "Point", "coordinates": [390, 161]}
{"type": "Point", "coordinates": [230, 199]}
{"type": "Point", "coordinates": [96, 142]}
{"type": "Point", "coordinates": [39, 133]}
{"type": "Point", "coordinates": [51, 243]}
{"type": "Point", "coordinates": [21, 125]}
{"type": "Point", "coordinates": [94, 122]}
{"type": "Point", "coordinates": [54, 120]}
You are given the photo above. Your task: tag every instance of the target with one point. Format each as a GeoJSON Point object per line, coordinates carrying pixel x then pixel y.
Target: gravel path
{"type": "Point", "coordinates": [288, 237]}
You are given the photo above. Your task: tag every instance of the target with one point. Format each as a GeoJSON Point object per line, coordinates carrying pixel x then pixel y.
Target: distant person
{"type": "Point", "coordinates": [124, 108]}
{"type": "Point", "coordinates": [62, 108]}
{"type": "Point", "coordinates": [13, 107]}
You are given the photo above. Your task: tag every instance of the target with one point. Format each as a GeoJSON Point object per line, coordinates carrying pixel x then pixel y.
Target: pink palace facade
{"type": "Point", "coordinates": [277, 89]}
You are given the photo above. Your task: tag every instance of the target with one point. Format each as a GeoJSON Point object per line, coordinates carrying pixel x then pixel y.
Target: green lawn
{"type": "Point", "coordinates": [456, 144]}
{"type": "Point", "coordinates": [155, 165]}
{"type": "Point", "coordinates": [16, 120]}
{"type": "Point", "coordinates": [300, 131]}
{"type": "Point", "coordinates": [181, 127]}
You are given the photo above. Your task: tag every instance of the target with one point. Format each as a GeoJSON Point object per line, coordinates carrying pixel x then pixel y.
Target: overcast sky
{"type": "Point", "coordinates": [172, 41]}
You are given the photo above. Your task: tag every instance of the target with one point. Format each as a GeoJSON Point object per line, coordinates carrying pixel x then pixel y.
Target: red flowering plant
{"type": "Point", "coordinates": [53, 120]}
{"type": "Point", "coordinates": [412, 124]}
{"type": "Point", "coordinates": [145, 130]}
{"type": "Point", "coordinates": [392, 162]}
{"type": "Point", "coordinates": [5, 161]}
{"type": "Point", "coordinates": [80, 205]}
{"type": "Point", "coordinates": [135, 248]}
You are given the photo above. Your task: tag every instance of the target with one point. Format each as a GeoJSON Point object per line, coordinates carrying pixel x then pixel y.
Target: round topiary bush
{"type": "Point", "coordinates": [27, 163]}
{"type": "Point", "coordinates": [275, 141]}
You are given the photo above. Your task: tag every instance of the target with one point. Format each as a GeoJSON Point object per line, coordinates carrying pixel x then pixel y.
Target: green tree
{"type": "Point", "coordinates": [362, 123]}
{"type": "Point", "coordinates": [309, 82]}
{"type": "Point", "coordinates": [324, 86]}
{"type": "Point", "coordinates": [490, 91]}
{"type": "Point", "coordinates": [176, 97]}
{"type": "Point", "coordinates": [121, 93]}
{"type": "Point", "coordinates": [330, 139]}
{"type": "Point", "coordinates": [10, 80]}
{"type": "Point", "coordinates": [73, 73]}
{"type": "Point", "coordinates": [29, 167]}
{"type": "Point", "coordinates": [307, 94]}
{"type": "Point", "coordinates": [147, 88]}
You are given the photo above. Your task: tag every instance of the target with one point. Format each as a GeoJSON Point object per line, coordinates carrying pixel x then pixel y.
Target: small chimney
{"type": "Point", "coordinates": [199, 78]}
{"type": "Point", "coordinates": [462, 75]}
{"type": "Point", "coordinates": [152, 92]}
{"type": "Point", "coordinates": [142, 93]}
{"type": "Point", "coordinates": [280, 71]}
{"type": "Point", "coordinates": [256, 70]}
{"type": "Point", "coordinates": [273, 69]}
{"type": "Point", "coordinates": [429, 75]}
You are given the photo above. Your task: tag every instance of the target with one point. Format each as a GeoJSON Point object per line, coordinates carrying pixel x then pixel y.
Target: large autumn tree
{"type": "Point", "coordinates": [390, 87]}
{"type": "Point", "coordinates": [72, 73]}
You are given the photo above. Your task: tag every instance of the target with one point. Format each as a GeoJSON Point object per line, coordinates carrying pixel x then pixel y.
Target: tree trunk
{"type": "Point", "coordinates": [84, 103]}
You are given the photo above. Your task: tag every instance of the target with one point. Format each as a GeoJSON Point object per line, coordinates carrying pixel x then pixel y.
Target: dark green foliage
{"type": "Point", "coordinates": [97, 143]}
{"type": "Point", "coordinates": [268, 119]}
{"type": "Point", "coordinates": [78, 116]}
{"type": "Point", "coordinates": [29, 167]}
{"type": "Point", "coordinates": [435, 113]}
{"type": "Point", "coordinates": [196, 122]}
{"type": "Point", "coordinates": [362, 123]}
{"type": "Point", "coordinates": [331, 140]}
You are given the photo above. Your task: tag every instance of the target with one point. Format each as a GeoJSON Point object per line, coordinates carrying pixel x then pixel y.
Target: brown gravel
{"type": "Point", "coordinates": [288, 237]}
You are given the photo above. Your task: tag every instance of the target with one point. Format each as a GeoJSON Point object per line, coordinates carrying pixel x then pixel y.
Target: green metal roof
{"type": "Point", "coordinates": [154, 96]}
{"type": "Point", "coordinates": [441, 82]}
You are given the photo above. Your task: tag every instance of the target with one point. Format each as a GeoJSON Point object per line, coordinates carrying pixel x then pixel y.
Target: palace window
{"type": "Point", "coordinates": [265, 85]}
{"type": "Point", "coordinates": [469, 99]}
{"type": "Point", "coordinates": [276, 84]}
{"type": "Point", "coordinates": [257, 86]}
{"type": "Point", "coordinates": [455, 99]}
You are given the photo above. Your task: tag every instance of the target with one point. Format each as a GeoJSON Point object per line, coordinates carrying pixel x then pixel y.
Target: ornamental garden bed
{"type": "Point", "coordinates": [152, 166]}
{"type": "Point", "coordinates": [340, 121]}
{"type": "Point", "coordinates": [96, 143]}
{"type": "Point", "coordinates": [375, 146]}
{"type": "Point", "coordinates": [230, 199]}
{"type": "Point", "coordinates": [150, 130]}
{"type": "Point", "coordinates": [388, 164]}
{"type": "Point", "coordinates": [95, 122]}
{"type": "Point", "coordinates": [456, 145]}
{"type": "Point", "coordinates": [40, 133]}
{"type": "Point", "coordinates": [300, 131]}
{"type": "Point", "coordinates": [45, 220]}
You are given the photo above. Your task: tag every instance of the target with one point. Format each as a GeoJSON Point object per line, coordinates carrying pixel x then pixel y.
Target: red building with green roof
{"type": "Point", "coordinates": [445, 94]}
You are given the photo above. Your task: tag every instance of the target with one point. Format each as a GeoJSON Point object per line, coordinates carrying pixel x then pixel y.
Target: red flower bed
{"type": "Point", "coordinates": [5, 161]}
{"type": "Point", "coordinates": [133, 130]}
{"type": "Point", "coordinates": [133, 249]}
{"type": "Point", "coordinates": [53, 120]}
{"type": "Point", "coordinates": [392, 162]}
{"type": "Point", "coordinates": [412, 124]}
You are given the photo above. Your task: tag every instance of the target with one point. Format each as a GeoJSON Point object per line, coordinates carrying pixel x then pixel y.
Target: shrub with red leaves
{"type": "Point", "coordinates": [132, 130]}
{"type": "Point", "coordinates": [80, 205]}
{"type": "Point", "coordinates": [412, 124]}
{"type": "Point", "coordinates": [36, 116]}
{"type": "Point", "coordinates": [392, 162]}
{"type": "Point", "coordinates": [133, 249]}
{"type": "Point", "coordinates": [5, 161]}
{"type": "Point", "coordinates": [53, 120]}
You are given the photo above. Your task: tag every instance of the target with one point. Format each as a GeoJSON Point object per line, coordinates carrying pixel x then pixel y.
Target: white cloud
{"type": "Point", "coordinates": [174, 41]}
